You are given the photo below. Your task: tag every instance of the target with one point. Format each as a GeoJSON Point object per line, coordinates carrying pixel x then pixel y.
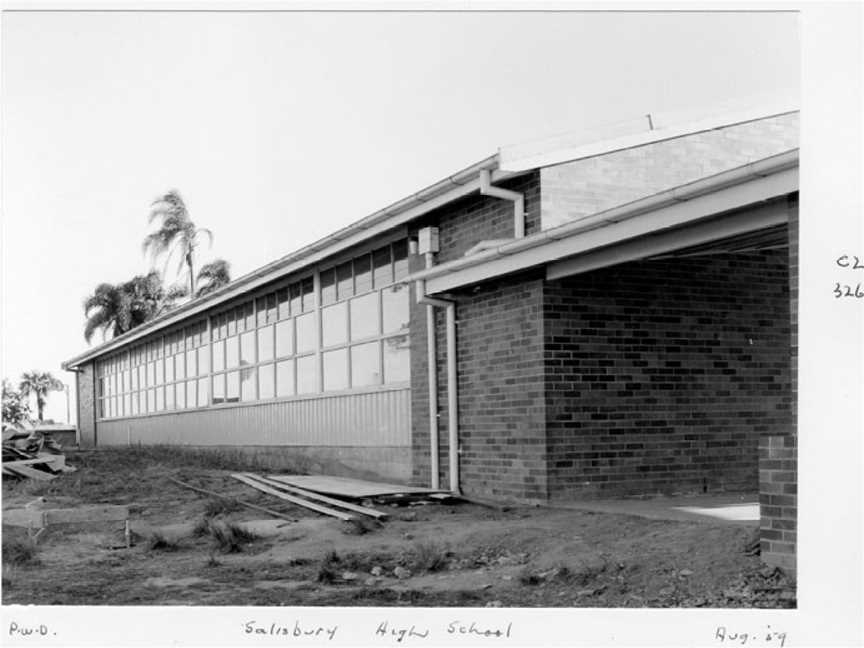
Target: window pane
{"type": "Point", "coordinates": [382, 271]}
{"type": "Point", "coordinates": [203, 389]}
{"type": "Point", "coordinates": [271, 308]}
{"type": "Point", "coordinates": [127, 404]}
{"type": "Point", "coordinates": [203, 360]}
{"type": "Point", "coordinates": [219, 388]}
{"type": "Point", "coordinates": [218, 355]}
{"type": "Point", "coordinates": [160, 371]}
{"type": "Point", "coordinates": [395, 308]}
{"type": "Point", "coordinates": [285, 378]}
{"type": "Point", "coordinates": [169, 370]}
{"type": "Point", "coordinates": [190, 393]}
{"type": "Point", "coordinates": [365, 365]}
{"type": "Point", "coordinates": [296, 299]}
{"type": "Point", "coordinates": [284, 338]}
{"type": "Point", "coordinates": [151, 374]}
{"type": "Point", "coordinates": [134, 409]}
{"type": "Point", "coordinates": [336, 370]}
{"type": "Point", "coordinates": [179, 364]}
{"type": "Point", "coordinates": [169, 397]}
{"type": "Point", "coordinates": [334, 324]}
{"type": "Point", "coordinates": [364, 316]}
{"type": "Point", "coordinates": [284, 304]}
{"type": "Point", "coordinates": [265, 344]}
{"type": "Point", "coordinates": [151, 401]}
{"type": "Point", "coordinates": [232, 389]}
{"type": "Point", "coordinates": [328, 286]}
{"type": "Point", "coordinates": [142, 376]}
{"type": "Point", "coordinates": [247, 348]}
{"type": "Point", "coordinates": [232, 352]}
{"type": "Point", "coordinates": [160, 399]}
{"type": "Point", "coordinates": [247, 384]}
{"type": "Point", "coordinates": [231, 316]}
{"type": "Point", "coordinates": [397, 362]}
{"type": "Point", "coordinates": [306, 336]}
{"type": "Point", "coordinates": [363, 273]}
{"type": "Point", "coordinates": [181, 395]}
{"type": "Point", "coordinates": [249, 312]}
{"type": "Point", "coordinates": [190, 364]}
{"type": "Point", "coordinates": [265, 381]}
{"type": "Point", "coordinates": [307, 375]}
{"type": "Point", "coordinates": [307, 287]}
{"type": "Point", "coordinates": [261, 311]}
{"type": "Point", "coordinates": [400, 259]}
{"type": "Point", "coordinates": [345, 280]}
{"type": "Point", "coordinates": [101, 389]}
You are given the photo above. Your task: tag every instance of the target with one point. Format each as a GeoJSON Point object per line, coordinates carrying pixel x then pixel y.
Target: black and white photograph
{"type": "Point", "coordinates": [471, 312]}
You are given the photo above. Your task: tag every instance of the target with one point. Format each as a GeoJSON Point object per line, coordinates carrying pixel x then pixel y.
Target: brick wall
{"type": "Point", "coordinates": [778, 499]}
{"type": "Point", "coordinates": [85, 386]}
{"type": "Point", "coordinates": [476, 218]}
{"type": "Point", "coordinates": [662, 375]}
{"type": "Point", "coordinates": [778, 461]}
{"type": "Point", "coordinates": [583, 187]}
{"type": "Point", "coordinates": [501, 401]}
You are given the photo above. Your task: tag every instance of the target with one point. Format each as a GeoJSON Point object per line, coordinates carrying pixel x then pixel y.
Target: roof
{"type": "Point", "coordinates": [507, 163]}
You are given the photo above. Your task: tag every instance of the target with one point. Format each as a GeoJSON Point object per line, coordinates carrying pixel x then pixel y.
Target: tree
{"type": "Point", "coordinates": [121, 307]}
{"type": "Point", "coordinates": [16, 409]}
{"type": "Point", "coordinates": [176, 233]}
{"type": "Point", "coordinates": [39, 383]}
{"type": "Point", "coordinates": [213, 276]}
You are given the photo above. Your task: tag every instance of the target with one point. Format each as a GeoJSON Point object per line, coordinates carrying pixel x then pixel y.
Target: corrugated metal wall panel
{"type": "Point", "coordinates": [380, 418]}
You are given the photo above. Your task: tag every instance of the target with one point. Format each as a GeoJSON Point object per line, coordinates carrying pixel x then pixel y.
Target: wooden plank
{"type": "Point", "coordinates": [321, 498]}
{"type": "Point", "coordinates": [239, 501]}
{"type": "Point", "coordinates": [348, 487]}
{"type": "Point", "coordinates": [26, 471]}
{"type": "Point", "coordinates": [24, 517]}
{"type": "Point", "coordinates": [28, 462]}
{"type": "Point", "coordinates": [103, 513]}
{"type": "Point", "coordinates": [294, 500]}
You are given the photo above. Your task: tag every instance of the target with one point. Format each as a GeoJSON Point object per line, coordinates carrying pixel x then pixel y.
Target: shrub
{"type": "Point", "coordinates": [429, 556]}
{"type": "Point", "coordinates": [158, 542]}
{"type": "Point", "coordinates": [19, 551]}
{"type": "Point", "coordinates": [231, 538]}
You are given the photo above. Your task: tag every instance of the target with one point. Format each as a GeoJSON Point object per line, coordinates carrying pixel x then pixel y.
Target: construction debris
{"type": "Point", "coordinates": [365, 492]}
{"type": "Point", "coordinates": [249, 481]}
{"type": "Point", "coordinates": [30, 454]}
{"type": "Point", "coordinates": [309, 495]}
{"type": "Point", "coordinates": [241, 502]}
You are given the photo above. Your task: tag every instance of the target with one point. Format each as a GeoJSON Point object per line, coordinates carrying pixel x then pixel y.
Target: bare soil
{"type": "Point", "coordinates": [432, 555]}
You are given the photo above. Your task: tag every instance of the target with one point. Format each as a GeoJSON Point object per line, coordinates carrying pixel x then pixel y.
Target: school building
{"type": "Point", "coordinates": [613, 317]}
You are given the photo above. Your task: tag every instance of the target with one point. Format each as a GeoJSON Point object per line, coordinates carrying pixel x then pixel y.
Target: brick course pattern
{"type": "Point", "coordinates": [577, 189]}
{"type": "Point", "coordinates": [662, 375]}
{"type": "Point", "coordinates": [778, 500]}
{"type": "Point", "coordinates": [86, 389]}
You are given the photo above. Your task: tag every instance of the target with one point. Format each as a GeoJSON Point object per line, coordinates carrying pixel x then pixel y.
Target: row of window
{"type": "Point", "coordinates": [269, 347]}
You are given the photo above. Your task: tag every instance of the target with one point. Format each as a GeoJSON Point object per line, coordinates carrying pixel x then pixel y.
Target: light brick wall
{"type": "Point", "coordinates": [577, 189]}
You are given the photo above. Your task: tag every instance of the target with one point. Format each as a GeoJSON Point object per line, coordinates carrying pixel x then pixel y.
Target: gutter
{"type": "Point", "coordinates": [738, 175]}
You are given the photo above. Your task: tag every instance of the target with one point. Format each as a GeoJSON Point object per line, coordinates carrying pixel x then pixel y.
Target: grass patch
{"type": "Point", "coordinates": [360, 526]}
{"type": "Point", "coordinates": [20, 551]}
{"type": "Point", "coordinates": [157, 541]}
{"type": "Point", "coordinates": [218, 506]}
{"type": "Point", "coordinates": [429, 556]}
{"type": "Point", "coordinates": [231, 538]}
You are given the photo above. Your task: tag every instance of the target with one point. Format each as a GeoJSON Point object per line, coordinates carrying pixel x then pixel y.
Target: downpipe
{"type": "Point", "coordinates": [452, 405]}
{"type": "Point", "coordinates": [517, 198]}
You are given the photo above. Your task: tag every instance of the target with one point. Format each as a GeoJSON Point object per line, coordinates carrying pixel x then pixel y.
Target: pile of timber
{"type": "Point", "coordinates": [308, 499]}
{"type": "Point", "coordinates": [26, 457]}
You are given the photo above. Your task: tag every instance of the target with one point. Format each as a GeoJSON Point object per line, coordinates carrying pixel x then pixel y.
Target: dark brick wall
{"type": "Point", "coordinates": [476, 218]}
{"type": "Point", "coordinates": [501, 400]}
{"type": "Point", "coordinates": [662, 375]}
{"type": "Point", "coordinates": [85, 386]}
{"type": "Point", "coordinates": [778, 499]}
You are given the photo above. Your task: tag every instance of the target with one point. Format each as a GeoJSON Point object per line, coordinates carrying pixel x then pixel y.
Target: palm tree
{"type": "Point", "coordinates": [39, 383]}
{"type": "Point", "coordinates": [121, 307]}
{"type": "Point", "coordinates": [213, 276]}
{"type": "Point", "coordinates": [176, 232]}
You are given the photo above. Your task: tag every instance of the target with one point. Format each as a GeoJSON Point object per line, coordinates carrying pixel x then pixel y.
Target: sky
{"type": "Point", "coordinates": [279, 128]}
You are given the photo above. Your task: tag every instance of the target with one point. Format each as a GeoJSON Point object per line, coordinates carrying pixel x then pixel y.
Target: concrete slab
{"type": "Point", "coordinates": [717, 509]}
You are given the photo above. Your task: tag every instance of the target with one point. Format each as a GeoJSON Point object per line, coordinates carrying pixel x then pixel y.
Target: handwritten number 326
{"type": "Point", "coordinates": [839, 292]}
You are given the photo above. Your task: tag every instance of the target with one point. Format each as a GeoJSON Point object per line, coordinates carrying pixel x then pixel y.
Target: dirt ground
{"type": "Point", "coordinates": [191, 549]}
